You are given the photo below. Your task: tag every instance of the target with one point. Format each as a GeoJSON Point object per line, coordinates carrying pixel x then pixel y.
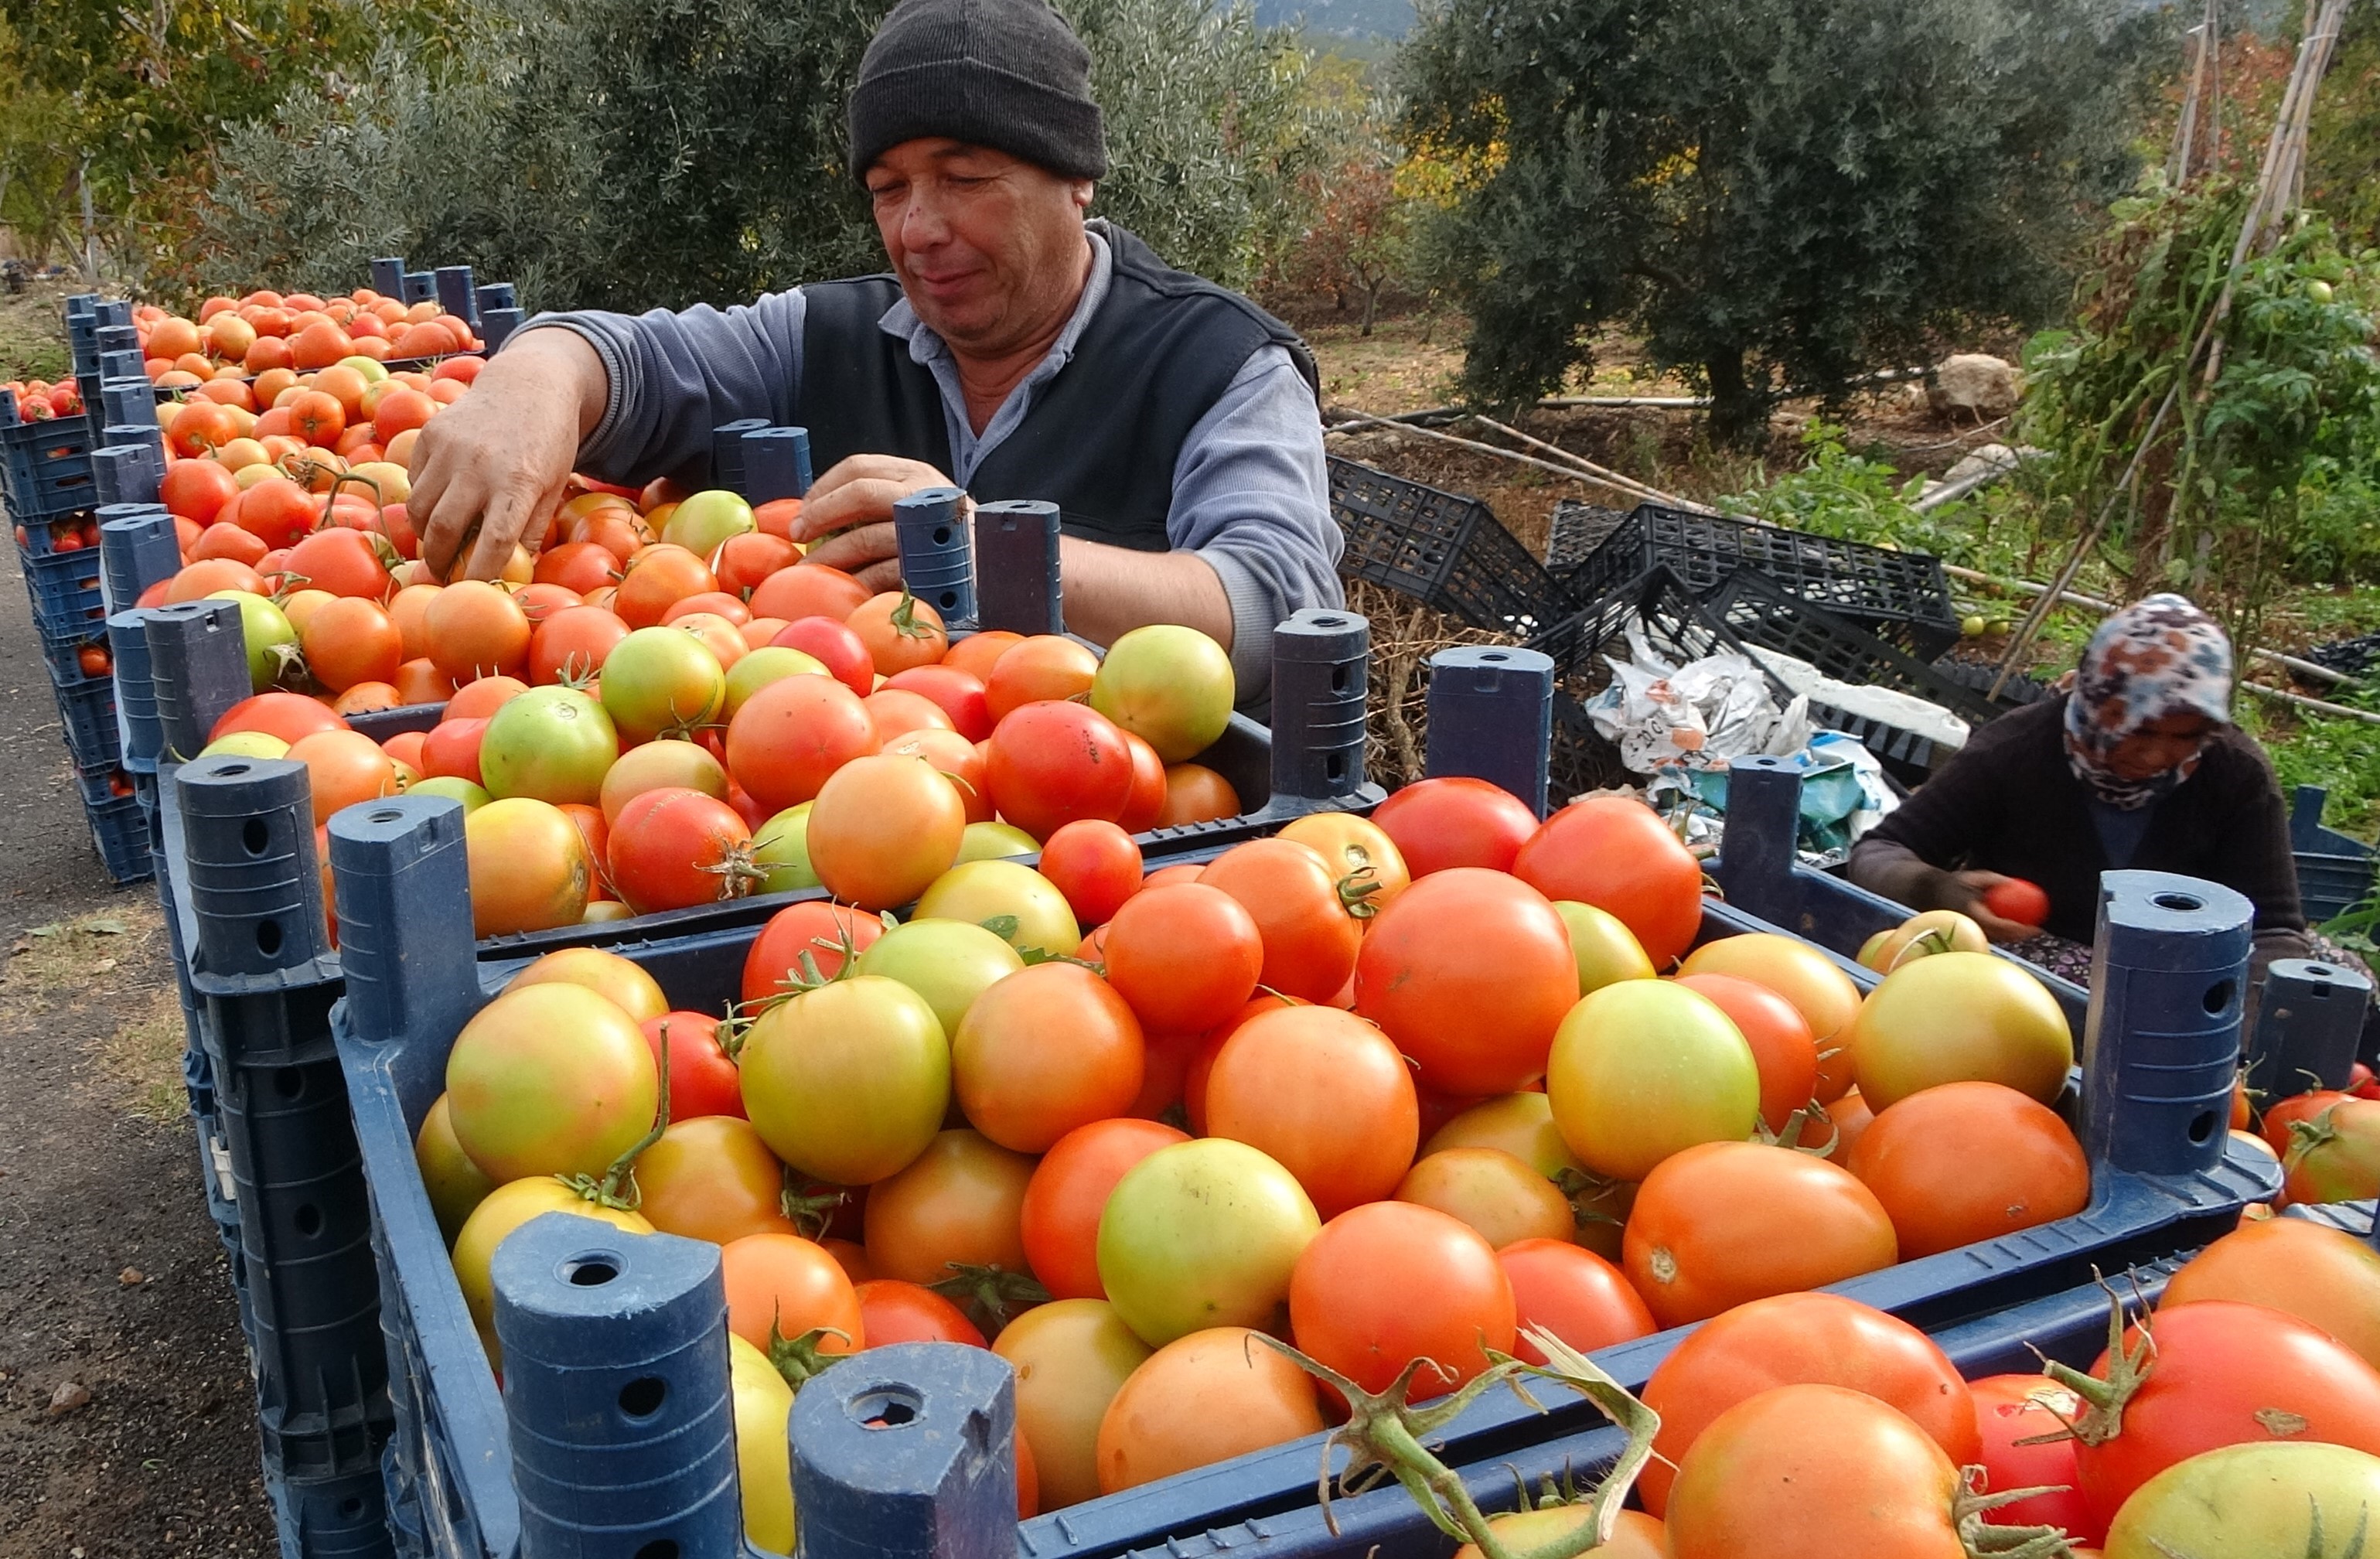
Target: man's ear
{"type": "Point", "coordinates": [1080, 191]}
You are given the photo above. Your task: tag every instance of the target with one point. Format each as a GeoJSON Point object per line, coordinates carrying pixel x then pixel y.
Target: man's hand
{"type": "Point", "coordinates": [851, 509]}
{"type": "Point", "coordinates": [496, 462]}
{"type": "Point", "coordinates": [1965, 892]}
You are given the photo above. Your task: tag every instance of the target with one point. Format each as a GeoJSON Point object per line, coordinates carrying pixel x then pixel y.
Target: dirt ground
{"type": "Point", "coordinates": [127, 1418]}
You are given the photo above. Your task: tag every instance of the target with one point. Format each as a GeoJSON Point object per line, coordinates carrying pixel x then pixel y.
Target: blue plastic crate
{"type": "Point", "coordinates": [119, 829]}
{"type": "Point", "coordinates": [409, 995]}
{"type": "Point", "coordinates": [2334, 869]}
{"type": "Point", "coordinates": [344, 1518]}
{"type": "Point", "coordinates": [41, 536]}
{"type": "Point", "coordinates": [69, 609]}
{"type": "Point", "coordinates": [45, 468]}
{"type": "Point", "coordinates": [87, 711]}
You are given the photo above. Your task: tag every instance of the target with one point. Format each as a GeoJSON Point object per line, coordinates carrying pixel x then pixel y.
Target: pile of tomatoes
{"type": "Point", "coordinates": [2244, 1418]}
{"type": "Point", "coordinates": [245, 337]}
{"type": "Point", "coordinates": [38, 400]}
{"type": "Point", "coordinates": [1389, 1088]}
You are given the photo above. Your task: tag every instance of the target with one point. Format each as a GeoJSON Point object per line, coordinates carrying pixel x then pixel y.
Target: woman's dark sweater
{"type": "Point", "coordinates": [2009, 803]}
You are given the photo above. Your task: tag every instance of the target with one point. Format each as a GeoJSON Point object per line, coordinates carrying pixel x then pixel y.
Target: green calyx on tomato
{"type": "Point", "coordinates": [617, 1186]}
{"type": "Point", "coordinates": [991, 1296]}
{"type": "Point", "coordinates": [803, 1358]}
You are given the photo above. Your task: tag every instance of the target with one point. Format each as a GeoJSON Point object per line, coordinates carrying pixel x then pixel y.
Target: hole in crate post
{"type": "Point", "coordinates": [591, 1272]}
{"type": "Point", "coordinates": [2183, 903]}
{"type": "Point", "coordinates": [941, 535]}
{"type": "Point", "coordinates": [268, 937]}
{"type": "Point", "coordinates": [254, 836]}
{"type": "Point", "coordinates": [947, 600]}
{"type": "Point", "coordinates": [2201, 1126]}
{"type": "Point", "coordinates": [2218, 999]}
{"type": "Point", "coordinates": [886, 1407]}
{"type": "Point", "coordinates": [643, 1396]}
{"type": "Point", "coordinates": [351, 1508]}
{"type": "Point", "coordinates": [310, 1220]}
{"type": "Point", "coordinates": [289, 1082]}
{"type": "Point", "coordinates": [660, 1548]}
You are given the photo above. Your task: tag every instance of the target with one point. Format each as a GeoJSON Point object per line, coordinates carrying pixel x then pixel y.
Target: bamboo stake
{"type": "Point", "coordinates": [1354, 423]}
{"type": "Point", "coordinates": [2093, 604]}
{"type": "Point", "coordinates": [1603, 473]}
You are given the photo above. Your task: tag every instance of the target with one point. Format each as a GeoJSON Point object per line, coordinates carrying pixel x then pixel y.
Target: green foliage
{"type": "Point", "coordinates": [2266, 466]}
{"type": "Point", "coordinates": [1357, 204]}
{"type": "Point", "coordinates": [1857, 497]}
{"type": "Point", "coordinates": [1774, 193]}
{"type": "Point", "coordinates": [628, 154]}
{"type": "Point", "coordinates": [2343, 150]}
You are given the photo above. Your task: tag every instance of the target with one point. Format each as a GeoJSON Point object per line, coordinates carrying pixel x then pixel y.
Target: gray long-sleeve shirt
{"type": "Point", "coordinates": [1250, 493]}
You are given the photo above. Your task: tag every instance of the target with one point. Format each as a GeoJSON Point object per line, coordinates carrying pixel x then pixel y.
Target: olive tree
{"type": "Point", "coordinates": [1774, 194]}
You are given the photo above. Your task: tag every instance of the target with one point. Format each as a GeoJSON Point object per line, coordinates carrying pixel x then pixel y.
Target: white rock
{"type": "Point", "coordinates": [1973, 386]}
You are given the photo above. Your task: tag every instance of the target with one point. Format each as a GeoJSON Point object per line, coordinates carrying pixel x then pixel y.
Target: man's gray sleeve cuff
{"type": "Point", "coordinates": [1256, 610]}
{"type": "Point", "coordinates": [600, 332]}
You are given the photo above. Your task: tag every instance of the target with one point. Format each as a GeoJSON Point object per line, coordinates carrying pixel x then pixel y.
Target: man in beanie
{"type": "Point", "coordinates": [1015, 349]}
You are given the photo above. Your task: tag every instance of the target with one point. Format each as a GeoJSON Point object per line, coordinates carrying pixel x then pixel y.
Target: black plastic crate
{"type": "Point", "coordinates": [1904, 596]}
{"type": "Point", "coordinates": [119, 831]}
{"type": "Point", "coordinates": [1765, 613]}
{"type": "Point", "coordinates": [1674, 624]}
{"type": "Point", "coordinates": [1443, 549]}
{"type": "Point", "coordinates": [1578, 528]}
{"type": "Point", "coordinates": [45, 468]}
{"type": "Point", "coordinates": [1977, 677]}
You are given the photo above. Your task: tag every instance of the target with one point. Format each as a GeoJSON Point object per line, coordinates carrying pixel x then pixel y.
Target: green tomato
{"type": "Point", "coordinates": [764, 1455]}
{"type": "Point", "coordinates": [770, 664]}
{"type": "Point", "coordinates": [848, 1082]}
{"type": "Point", "coordinates": [1202, 1233]}
{"type": "Point", "coordinates": [246, 744]}
{"type": "Point", "coordinates": [454, 788]}
{"type": "Point", "coordinates": [995, 841]}
{"type": "Point", "coordinates": [948, 962]}
{"type": "Point", "coordinates": [372, 368]}
{"type": "Point", "coordinates": [700, 522]}
{"type": "Point", "coordinates": [1645, 1068]}
{"type": "Point", "coordinates": [271, 642]}
{"type": "Point", "coordinates": [2319, 291]}
{"type": "Point", "coordinates": [781, 848]}
{"type": "Point", "coordinates": [550, 1079]}
{"type": "Point", "coordinates": [1606, 950]}
{"type": "Point", "coordinates": [1014, 902]}
{"type": "Point", "coordinates": [551, 744]}
{"type": "Point", "coordinates": [1171, 686]}
{"type": "Point", "coordinates": [2297, 1499]}
{"type": "Point", "coordinates": [659, 681]}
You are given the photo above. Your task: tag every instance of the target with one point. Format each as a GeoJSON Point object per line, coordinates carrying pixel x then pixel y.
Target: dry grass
{"type": "Point", "coordinates": [91, 966]}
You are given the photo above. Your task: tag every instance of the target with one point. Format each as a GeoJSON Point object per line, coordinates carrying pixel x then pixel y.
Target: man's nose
{"type": "Point", "coordinates": [923, 225]}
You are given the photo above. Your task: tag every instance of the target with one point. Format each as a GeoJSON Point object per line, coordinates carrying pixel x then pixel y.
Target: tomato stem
{"type": "Point", "coordinates": [799, 1360]}
{"type": "Point", "coordinates": [990, 1295]}
{"type": "Point", "coordinates": [618, 1187]}
{"type": "Point", "coordinates": [1981, 1538]}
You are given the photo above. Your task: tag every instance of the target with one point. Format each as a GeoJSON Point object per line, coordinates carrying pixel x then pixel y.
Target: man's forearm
{"type": "Point", "coordinates": [1110, 591]}
{"type": "Point", "coordinates": [551, 357]}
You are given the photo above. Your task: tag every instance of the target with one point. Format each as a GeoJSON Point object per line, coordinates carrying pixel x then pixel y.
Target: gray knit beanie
{"type": "Point", "coordinates": [1008, 74]}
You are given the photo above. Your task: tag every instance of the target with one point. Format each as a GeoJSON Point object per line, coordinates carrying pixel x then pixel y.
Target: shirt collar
{"type": "Point", "coordinates": [924, 347]}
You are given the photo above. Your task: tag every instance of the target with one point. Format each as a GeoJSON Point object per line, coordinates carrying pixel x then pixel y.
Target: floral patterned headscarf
{"type": "Point", "coordinates": [2158, 657]}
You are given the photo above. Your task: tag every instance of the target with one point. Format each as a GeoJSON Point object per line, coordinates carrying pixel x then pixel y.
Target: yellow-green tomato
{"type": "Point", "coordinates": [1606, 949]}
{"type": "Point", "coordinates": [454, 788]}
{"type": "Point", "coordinates": [550, 1079]}
{"type": "Point", "coordinates": [1170, 686]}
{"type": "Point", "coordinates": [995, 841]}
{"type": "Point", "coordinates": [781, 848]}
{"type": "Point", "coordinates": [948, 962]}
{"type": "Point", "coordinates": [771, 662]}
{"type": "Point", "coordinates": [1645, 1068]}
{"type": "Point", "coordinates": [764, 1460]}
{"type": "Point", "coordinates": [848, 1082]}
{"type": "Point", "coordinates": [456, 1185]}
{"type": "Point", "coordinates": [2258, 1500]}
{"type": "Point", "coordinates": [1202, 1233]}
{"type": "Point", "coordinates": [265, 633]}
{"type": "Point", "coordinates": [1014, 902]}
{"type": "Point", "coordinates": [704, 520]}
{"type": "Point", "coordinates": [1071, 1359]}
{"type": "Point", "coordinates": [249, 744]}
{"type": "Point", "coordinates": [1519, 1124]}
{"type": "Point", "coordinates": [504, 1210]}
{"type": "Point", "coordinates": [1959, 1017]}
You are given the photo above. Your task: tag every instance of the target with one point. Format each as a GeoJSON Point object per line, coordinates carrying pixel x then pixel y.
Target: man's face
{"type": "Point", "coordinates": [988, 247]}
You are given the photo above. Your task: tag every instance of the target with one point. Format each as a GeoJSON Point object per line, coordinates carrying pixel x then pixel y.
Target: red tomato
{"type": "Point", "coordinates": [787, 1286]}
{"type": "Point", "coordinates": [1310, 939]}
{"type": "Point", "coordinates": [656, 578]}
{"type": "Point", "coordinates": [792, 734]}
{"type": "Point", "coordinates": [1352, 1298]}
{"type": "Point", "coordinates": [827, 933]}
{"type": "Point", "coordinates": [1573, 1293]}
{"type": "Point", "coordinates": [835, 647]}
{"type": "Point", "coordinates": [1470, 972]}
{"type": "Point", "coordinates": [1455, 822]}
{"type": "Point", "coordinates": [290, 716]}
{"type": "Point", "coordinates": [1051, 763]}
{"type": "Point", "coordinates": [893, 1311]}
{"type": "Point", "coordinates": [1096, 864]}
{"type": "Point", "coordinates": [1723, 1223]}
{"type": "Point", "coordinates": [743, 562]}
{"type": "Point", "coordinates": [1967, 1161]}
{"type": "Point", "coordinates": [958, 694]}
{"type": "Point", "coordinates": [1323, 1094]}
{"type": "Point", "coordinates": [570, 644]}
{"type": "Point", "coordinates": [341, 561]}
{"type": "Point", "coordinates": [718, 603]}
{"type": "Point", "coordinates": [580, 565]}
{"type": "Point", "coordinates": [1821, 1339]}
{"type": "Point", "coordinates": [702, 1077]}
{"type": "Point", "coordinates": [2013, 1409]}
{"type": "Point", "coordinates": [1185, 958]}
{"type": "Point", "coordinates": [807, 589]}
{"type": "Point", "coordinates": [1615, 853]}
{"type": "Point", "coordinates": [673, 848]}
{"type": "Point", "coordinates": [2016, 899]}
{"type": "Point", "coordinates": [451, 749]}
{"type": "Point", "coordinates": [1069, 1190]}
{"type": "Point", "coordinates": [481, 697]}
{"type": "Point", "coordinates": [1779, 1038]}
{"type": "Point", "coordinates": [2225, 1373]}
{"type": "Point", "coordinates": [1149, 793]}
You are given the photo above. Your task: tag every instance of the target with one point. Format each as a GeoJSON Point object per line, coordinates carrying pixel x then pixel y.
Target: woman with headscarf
{"type": "Point", "coordinates": [2136, 766]}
